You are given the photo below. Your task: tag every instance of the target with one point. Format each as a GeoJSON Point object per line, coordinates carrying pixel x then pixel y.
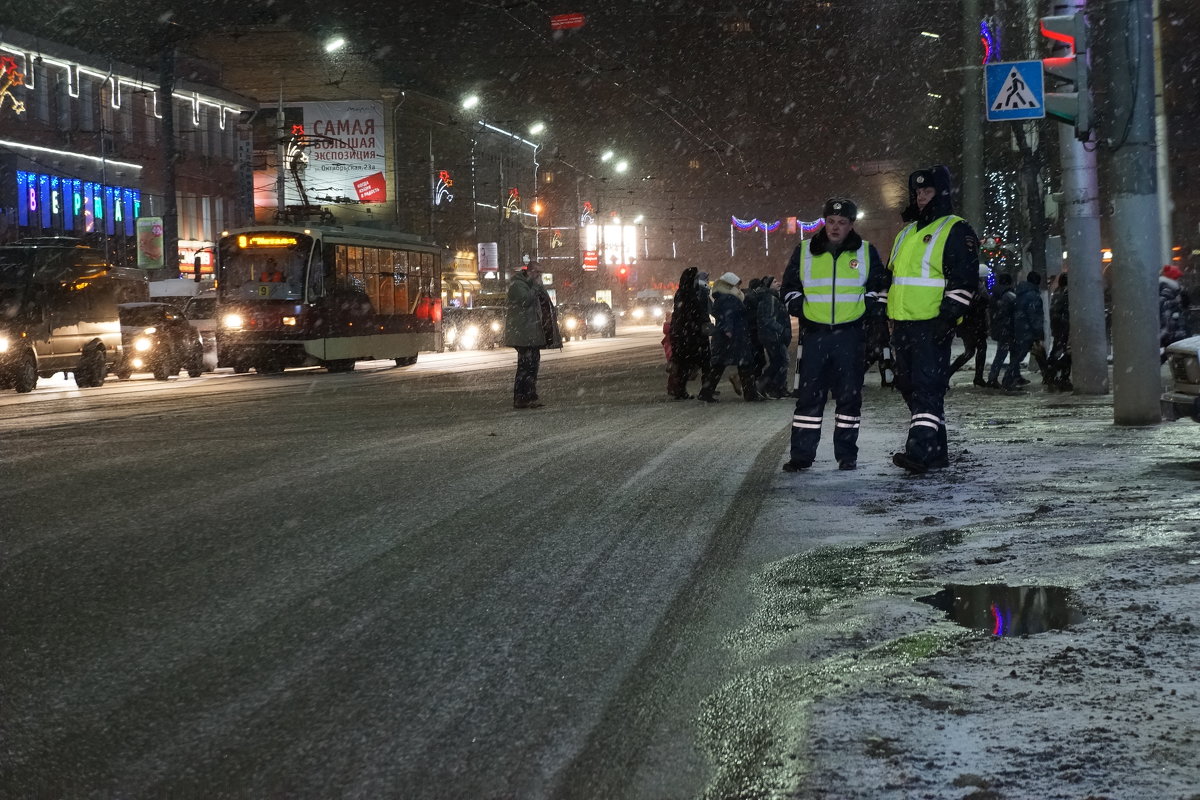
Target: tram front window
{"type": "Point", "coordinates": [261, 272]}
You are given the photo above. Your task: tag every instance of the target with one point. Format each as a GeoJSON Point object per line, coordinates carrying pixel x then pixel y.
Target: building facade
{"type": "Point", "coordinates": [82, 152]}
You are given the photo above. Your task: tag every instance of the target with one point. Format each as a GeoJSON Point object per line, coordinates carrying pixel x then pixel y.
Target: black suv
{"type": "Point", "coordinates": [158, 339]}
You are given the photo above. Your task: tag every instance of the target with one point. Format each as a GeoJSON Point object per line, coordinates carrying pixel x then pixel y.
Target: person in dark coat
{"type": "Point", "coordinates": [1173, 304]}
{"type": "Point", "coordinates": [530, 325]}
{"type": "Point", "coordinates": [754, 295]}
{"type": "Point", "coordinates": [688, 339]}
{"type": "Point", "coordinates": [1059, 376]}
{"type": "Point", "coordinates": [1001, 325]}
{"type": "Point", "coordinates": [775, 334]}
{"type": "Point", "coordinates": [1028, 325]}
{"type": "Point", "coordinates": [730, 343]}
{"type": "Point", "coordinates": [973, 330]}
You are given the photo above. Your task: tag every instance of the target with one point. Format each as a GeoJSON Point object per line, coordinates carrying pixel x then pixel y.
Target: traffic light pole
{"type": "Point", "coordinates": [1125, 67]}
{"type": "Point", "coordinates": [1081, 227]}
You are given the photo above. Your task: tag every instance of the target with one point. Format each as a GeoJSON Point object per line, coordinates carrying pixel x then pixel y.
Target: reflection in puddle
{"type": "Point", "coordinates": [1007, 610]}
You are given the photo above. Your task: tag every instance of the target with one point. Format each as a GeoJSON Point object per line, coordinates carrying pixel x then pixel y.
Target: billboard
{"type": "Point", "coordinates": [338, 145]}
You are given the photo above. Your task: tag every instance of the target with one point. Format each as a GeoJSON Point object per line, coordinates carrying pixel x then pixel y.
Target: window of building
{"type": "Point", "coordinates": [88, 91]}
{"type": "Point", "coordinates": [548, 177]}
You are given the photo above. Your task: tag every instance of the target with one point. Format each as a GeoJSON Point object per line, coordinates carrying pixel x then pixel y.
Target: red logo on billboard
{"type": "Point", "coordinates": [371, 189]}
{"type": "Point", "coordinates": [562, 22]}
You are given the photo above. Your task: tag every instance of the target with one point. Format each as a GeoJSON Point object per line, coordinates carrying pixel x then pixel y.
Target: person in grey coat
{"type": "Point", "coordinates": [530, 325]}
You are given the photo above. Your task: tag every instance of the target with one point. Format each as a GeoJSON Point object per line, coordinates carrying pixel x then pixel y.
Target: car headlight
{"type": "Point", "coordinates": [233, 321]}
{"type": "Point", "coordinates": [3, 344]}
{"type": "Point", "coordinates": [638, 313]}
{"type": "Point", "coordinates": [151, 330]}
{"type": "Point", "coordinates": [571, 323]}
{"type": "Point", "coordinates": [137, 363]}
{"type": "Point", "coordinates": [451, 335]}
{"type": "Point", "coordinates": [495, 327]}
{"type": "Point", "coordinates": [289, 321]}
{"type": "Point", "coordinates": [470, 338]}
{"type": "Point", "coordinates": [143, 343]}
{"type": "Point", "coordinates": [658, 312]}
{"type": "Point", "coordinates": [472, 331]}
{"type": "Point", "coordinates": [599, 321]}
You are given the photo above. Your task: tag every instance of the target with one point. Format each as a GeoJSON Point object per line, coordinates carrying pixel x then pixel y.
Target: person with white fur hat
{"type": "Point", "coordinates": [730, 345]}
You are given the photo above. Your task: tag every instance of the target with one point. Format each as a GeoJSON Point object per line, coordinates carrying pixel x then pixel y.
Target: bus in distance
{"type": "Point", "coordinates": [294, 296]}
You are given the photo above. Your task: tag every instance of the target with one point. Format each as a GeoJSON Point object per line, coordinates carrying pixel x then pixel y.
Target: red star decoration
{"type": "Point", "coordinates": [297, 130]}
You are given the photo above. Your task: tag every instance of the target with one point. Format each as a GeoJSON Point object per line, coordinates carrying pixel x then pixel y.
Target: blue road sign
{"type": "Point", "coordinates": [1014, 90]}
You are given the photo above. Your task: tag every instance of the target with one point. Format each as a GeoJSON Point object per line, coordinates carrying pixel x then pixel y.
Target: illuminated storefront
{"type": "Point", "coordinates": [49, 204]}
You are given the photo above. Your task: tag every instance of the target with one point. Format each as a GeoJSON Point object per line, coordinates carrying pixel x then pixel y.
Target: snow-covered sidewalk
{"type": "Point", "coordinates": [844, 685]}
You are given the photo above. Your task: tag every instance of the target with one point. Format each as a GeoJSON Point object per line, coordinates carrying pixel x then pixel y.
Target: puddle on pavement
{"type": "Point", "coordinates": [1007, 610]}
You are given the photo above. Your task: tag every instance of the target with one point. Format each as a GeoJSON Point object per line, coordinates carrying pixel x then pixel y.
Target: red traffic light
{"type": "Point", "coordinates": [623, 271]}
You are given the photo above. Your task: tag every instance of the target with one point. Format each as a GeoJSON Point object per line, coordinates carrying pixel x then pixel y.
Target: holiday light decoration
{"type": "Point", "coordinates": [746, 225]}
{"type": "Point", "coordinates": [10, 76]}
{"type": "Point", "coordinates": [989, 42]}
{"type": "Point", "coordinates": [811, 227]}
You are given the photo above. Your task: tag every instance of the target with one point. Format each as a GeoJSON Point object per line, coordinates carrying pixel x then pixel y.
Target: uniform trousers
{"type": "Point", "coordinates": [833, 360]}
{"type": "Point", "coordinates": [922, 350]}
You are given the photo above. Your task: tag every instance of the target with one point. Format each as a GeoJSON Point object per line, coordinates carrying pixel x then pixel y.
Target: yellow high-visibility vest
{"type": "Point", "coordinates": [918, 280]}
{"type": "Point", "coordinates": [834, 290]}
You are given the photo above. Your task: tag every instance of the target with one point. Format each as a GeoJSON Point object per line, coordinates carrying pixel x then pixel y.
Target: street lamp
{"type": "Point", "coordinates": [536, 128]}
{"type": "Point", "coordinates": [335, 44]}
{"type": "Point", "coordinates": [470, 101]}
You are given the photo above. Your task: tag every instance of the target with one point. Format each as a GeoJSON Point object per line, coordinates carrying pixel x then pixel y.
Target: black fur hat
{"type": "Point", "coordinates": [842, 208]}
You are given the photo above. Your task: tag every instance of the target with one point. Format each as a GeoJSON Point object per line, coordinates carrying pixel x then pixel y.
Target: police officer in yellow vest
{"type": "Point", "coordinates": [828, 283]}
{"type": "Point", "coordinates": [934, 267]}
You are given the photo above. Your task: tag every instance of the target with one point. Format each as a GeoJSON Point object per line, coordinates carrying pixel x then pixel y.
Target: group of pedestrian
{"type": "Point", "coordinates": [712, 330]}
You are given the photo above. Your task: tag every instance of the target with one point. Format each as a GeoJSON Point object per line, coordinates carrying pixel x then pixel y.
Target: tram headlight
{"type": "Point", "coordinates": [289, 321]}
{"type": "Point", "coordinates": [3, 344]}
{"type": "Point", "coordinates": [143, 343]}
{"type": "Point", "coordinates": [232, 321]}
{"type": "Point", "coordinates": [495, 326]}
{"type": "Point", "coordinates": [150, 330]}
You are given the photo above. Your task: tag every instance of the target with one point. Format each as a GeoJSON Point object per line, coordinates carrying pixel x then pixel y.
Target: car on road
{"type": "Point", "coordinates": [59, 311]}
{"type": "Point", "coordinates": [572, 321]}
{"type": "Point", "coordinates": [1182, 398]}
{"type": "Point", "coordinates": [158, 339]}
{"type": "Point", "coordinates": [646, 311]}
{"type": "Point", "coordinates": [600, 319]}
{"type": "Point", "coordinates": [480, 328]}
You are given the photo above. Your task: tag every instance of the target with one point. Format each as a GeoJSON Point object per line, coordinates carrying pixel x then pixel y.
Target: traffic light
{"type": "Point", "coordinates": [623, 273]}
{"type": "Point", "coordinates": [1073, 106]}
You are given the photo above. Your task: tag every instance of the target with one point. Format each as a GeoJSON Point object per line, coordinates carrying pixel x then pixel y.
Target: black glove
{"type": "Point", "coordinates": [795, 306]}
{"type": "Point", "coordinates": [944, 329]}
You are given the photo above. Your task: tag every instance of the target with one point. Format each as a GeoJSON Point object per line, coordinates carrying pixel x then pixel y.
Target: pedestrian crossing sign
{"type": "Point", "coordinates": [1014, 90]}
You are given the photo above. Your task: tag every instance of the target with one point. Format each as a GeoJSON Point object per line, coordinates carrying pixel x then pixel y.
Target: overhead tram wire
{"type": "Point", "coordinates": [706, 143]}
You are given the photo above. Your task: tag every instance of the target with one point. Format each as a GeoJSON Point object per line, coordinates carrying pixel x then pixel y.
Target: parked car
{"type": "Point", "coordinates": [601, 321]}
{"type": "Point", "coordinates": [201, 313]}
{"type": "Point", "coordinates": [480, 328]}
{"type": "Point", "coordinates": [1182, 398]}
{"type": "Point", "coordinates": [158, 339]}
{"type": "Point", "coordinates": [59, 311]}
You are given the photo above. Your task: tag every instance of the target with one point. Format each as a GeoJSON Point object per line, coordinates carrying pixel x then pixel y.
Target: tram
{"type": "Point", "coordinates": [312, 295]}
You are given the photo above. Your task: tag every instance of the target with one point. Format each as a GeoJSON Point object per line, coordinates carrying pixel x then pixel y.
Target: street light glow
{"type": "Point", "coordinates": [607, 155]}
{"type": "Point", "coordinates": [537, 128]}
{"type": "Point", "coordinates": [336, 43]}
{"type": "Point", "coordinates": [639, 219]}
{"type": "Point", "coordinates": [470, 101]}
{"type": "Point", "coordinates": [931, 35]}
{"type": "Point", "coordinates": [621, 165]}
